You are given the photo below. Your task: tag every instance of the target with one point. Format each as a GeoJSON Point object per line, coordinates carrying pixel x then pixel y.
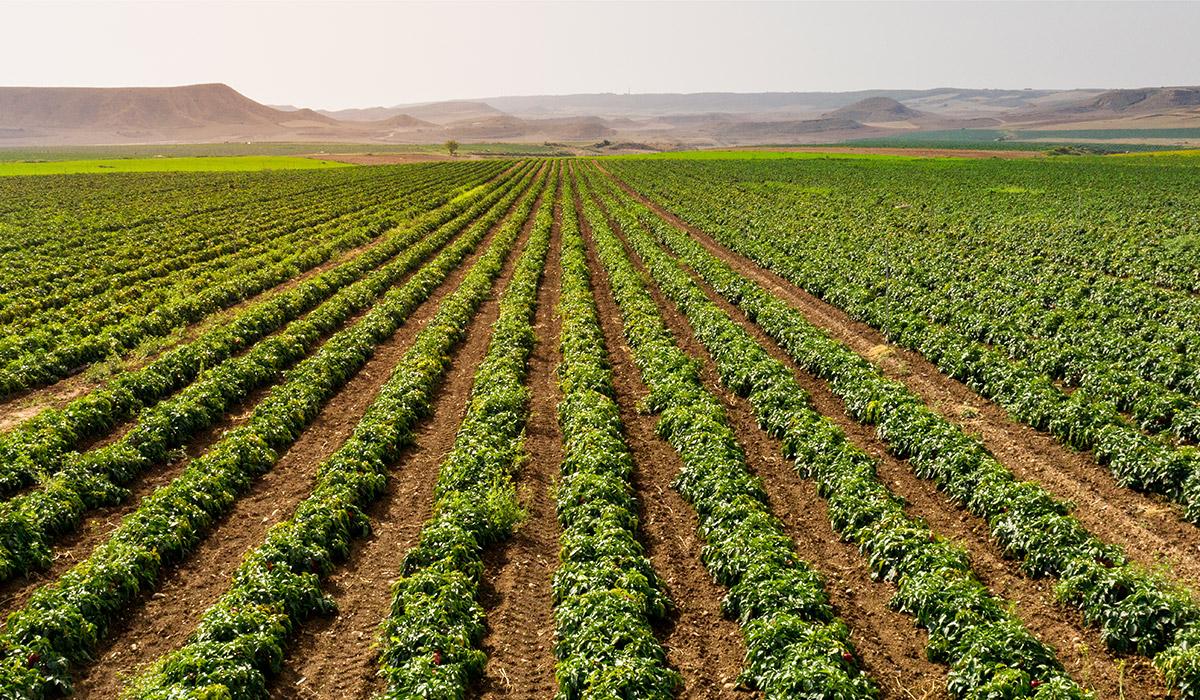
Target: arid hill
{"type": "Point", "coordinates": [1146, 100]}
{"type": "Point", "coordinates": [876, 109]}
{"type": "Point", "coordinates": [217, 112]}
{"type": "Point", "coordinates": [184, 107]}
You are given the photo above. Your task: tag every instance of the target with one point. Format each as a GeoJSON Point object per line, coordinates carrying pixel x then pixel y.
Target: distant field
{"type": "Point", "coordinates": [1097, 140]}
{"type": "Point", "coordinates": [767, 153]}
{"type": "Point", "coordinates": [153, 165]}
{"type": "Point", "coordinates": [58, 153]}
{"type": "Point", "coordinates": [753, 155]}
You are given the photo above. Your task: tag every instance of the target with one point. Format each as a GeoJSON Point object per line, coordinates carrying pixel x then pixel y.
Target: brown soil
{"type": "Point", "coordinates": [24, 405]}
{"type": "Point", "coordinates": [27, 404]}
{"type": "Point", "coordinates": [336, 657]}
{"type": "Point", "coordinates": [1150, 529]}
{"type": "Point", "coordinates": [706, 648]}
{"type": "Point", "coordinates": [1080, 649]}
{"type": "Point", "coordinates": [516, 593]}
{"type": "Point", "coordinates": [893, 652]}
{"type": "Point", "coordinates": [97, 525]}
{"type": "Point", "coordinates": [162, 621]}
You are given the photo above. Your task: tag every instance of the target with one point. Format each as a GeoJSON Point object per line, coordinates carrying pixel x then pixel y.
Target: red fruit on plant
{"type": "Point", "coordinates": [847, 657]}
{"type": "Point", "coordinates": [1034, 683]}
{"type": "Point", "coordinates": [33, 658]}
{"type": "Point", "coordinates": [437, 658]}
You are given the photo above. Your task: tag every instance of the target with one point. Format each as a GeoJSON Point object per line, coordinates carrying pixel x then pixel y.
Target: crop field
{"type": "Point", "coordinates": [704, 426]}
{"type": "Point", "coordinates": [158, 165]}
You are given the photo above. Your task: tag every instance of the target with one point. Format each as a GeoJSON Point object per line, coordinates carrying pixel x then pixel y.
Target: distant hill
{"type": "Point", "coordinates": [434, 112]}
{"type": "Point", "coordinates": [876, 109]}
{"type": "Point", "coordinates": [403, 121]}
{"type": "Point", "coordinates": [216, 112]}
{"type": "Point", "coordinates": [813, 104]}
{"type": "Point", "coordinates": [137, 108]}
{"type": "Point", "coordinates": [453, 111]}
{"type": "Point", "coordinates": [1149, 99]}
{"type": "Point", "coordinates": [189, 113]}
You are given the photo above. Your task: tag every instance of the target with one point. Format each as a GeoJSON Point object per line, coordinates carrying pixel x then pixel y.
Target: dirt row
{"type": "Point", "coordinates": [99, 524]}
{"type": "Point", "coordinates": [1151, 529]}
{"type": "Point", "coordinates": [1079, 647]}
{"type": "Point", "coordinates": [164, 619]}
{"type": "Point", "coordinates": [26, 404]}
{"type": "Point", "coordinates": [517, 575]}
{"type": "Point", "coordinates": [335, 656]}
{"type": "Point", "coordinates": [705, 647]}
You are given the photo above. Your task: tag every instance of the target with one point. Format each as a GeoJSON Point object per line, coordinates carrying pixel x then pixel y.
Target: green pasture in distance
{"type": "Point", "coordinates": [153, 165]}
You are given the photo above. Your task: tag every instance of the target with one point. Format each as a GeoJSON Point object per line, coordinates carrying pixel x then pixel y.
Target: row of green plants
{"type": "Point", "coordinates": [95, 309]}
{"type": "Point", "coordinates": [990, 652]}
{"type": "Point", "coordinates": [72, 349]}
{"type": "Point", "coordinates": [429, 643]}
{"type": "Point", "coordinates": [240, 640]}
{"type": "Point", "coordinates": [796, 646]}
{"type": "Point", "coordinates": [54, 221]}
{"type": "Point", "coordinates": [1069, 329]}
{"type": "Point", "coordinates": [97, 478]}
{"type": "Point", "coordinates": [34, 448]}
{"type": "Point", "coordinates": [62, 622]}
{"type": "Point", "coordinates": [1077, 419]}
{"type": "Point", "coordinates": [97, 301]}
{"type": "Point", "coordinates": [606, 594]}
{"type": "Point", "coordinates": [112, 263]}
{"type": "Point", "coordinates": [1135, 611]}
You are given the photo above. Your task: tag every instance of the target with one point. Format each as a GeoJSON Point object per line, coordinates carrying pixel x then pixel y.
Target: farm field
{"type": "Point", "coordinates": [701, 425]}
{"type": "Point", "coordinates": [158, 165]}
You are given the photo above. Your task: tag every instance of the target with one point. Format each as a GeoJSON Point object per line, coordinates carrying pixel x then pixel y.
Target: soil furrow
{"type": "Point", "coordinates": [30, 402]}
{"type": "Point", "coordinates": [165, 618]}
{"type": "Point", "coordinates": [99, 524]}
{"type": "Point", "coordinates": [1150, 528]}
{"type": "Point", "coordinates": [1080, 649]}
{"type": "Point", "coordinates": [336, 657]}
{"type": "Point", "coordinates": [26, 404]}
{"type": "Point", "coordinates": [893, 652]}
{"type": "Point", "coordinates": [706, 648]}
{"type": "Point", "coordinates": [516, 591]}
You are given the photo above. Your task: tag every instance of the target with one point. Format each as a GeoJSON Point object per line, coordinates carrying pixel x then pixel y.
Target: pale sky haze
{"type": "Point", "coordinates": [360, 54]}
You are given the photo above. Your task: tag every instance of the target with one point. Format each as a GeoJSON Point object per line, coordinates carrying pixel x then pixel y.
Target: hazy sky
{"type": "Point", "coordinates": [357, 54]}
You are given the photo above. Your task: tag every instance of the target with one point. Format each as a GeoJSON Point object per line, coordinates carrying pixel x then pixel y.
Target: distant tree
{"type": "Point", "coordinates": [452, 147]}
